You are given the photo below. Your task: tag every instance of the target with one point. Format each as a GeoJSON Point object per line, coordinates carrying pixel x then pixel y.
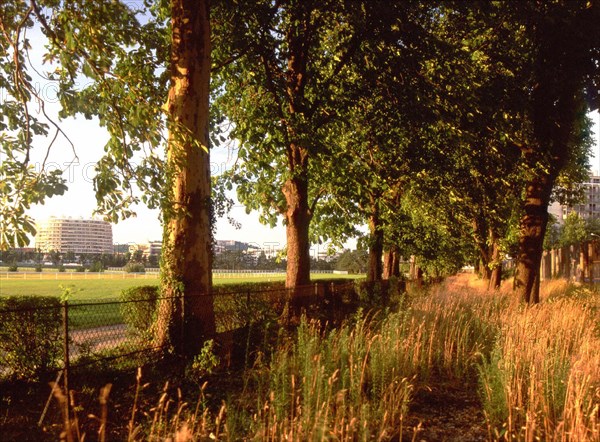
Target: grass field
{"type": "Point", "coordinates": [100, 286]}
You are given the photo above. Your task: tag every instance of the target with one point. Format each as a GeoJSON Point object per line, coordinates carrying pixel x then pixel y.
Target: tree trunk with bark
{"type": "Point", "coordinates": [531, 238]}
{"type": "Point", "coordinates": [374, 271]}
{"type": "Point", "coordinates": [496, 265]}
{"type": "Point", "coordinates": [485, 254]}
{"type": "Point", "coordinates": [297, 218]}
{"type": "Point", "coordinates": [187, 317]}
{"type": "Point", "coordinates": [562, 59]}
{"type": "Point", "coordinates": [391, 263]}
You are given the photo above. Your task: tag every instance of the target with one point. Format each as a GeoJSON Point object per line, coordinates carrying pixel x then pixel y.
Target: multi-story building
{"type": "Point", "coordinates": [76, 235]}
{"type": "Point", "coordinates": [590, 207]}
{"type": "Point", "coordinates": [150, 248]}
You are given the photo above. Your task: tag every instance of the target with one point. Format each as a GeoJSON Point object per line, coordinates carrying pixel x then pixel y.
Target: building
{"type": "Point", "coordinates": [590, 208]}
{"type": "Point", "coordinates": [150, 248]}
{"type": "Point", "coordinates": [75, 235]}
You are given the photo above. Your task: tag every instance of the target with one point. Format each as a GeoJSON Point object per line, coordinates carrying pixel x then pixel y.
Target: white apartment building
{"type": "Point", "coordinates": [150, 248]}
{"type": "Point", "coordinates": [76, 235]}
{"type": "Point", "coordinates": [590, 207]}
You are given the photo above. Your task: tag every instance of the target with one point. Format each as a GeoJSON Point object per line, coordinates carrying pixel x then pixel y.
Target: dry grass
{"type": "Point", "coordinates": [537, 367]}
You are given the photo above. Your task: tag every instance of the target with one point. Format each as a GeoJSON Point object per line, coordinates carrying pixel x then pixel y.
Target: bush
{"type": "Point", "coordinates": [61, 269]}
{"type": "Point", "coordinates": [139, 309]}
{"type": "Point", "coordinates": [13, 267]}
{"type": "Point", "coordinates": [96, 267]}
{"type": "Point", "coordinates": [30, 330]}
{"type": "Point", "coordinates": [38, 268]}
{"type": "Point", "coordinates": [80, 269]}
{"type": "Point", "coordinates": [134, 267]}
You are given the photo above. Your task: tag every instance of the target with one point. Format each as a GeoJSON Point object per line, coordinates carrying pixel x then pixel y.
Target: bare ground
{"type": "Point", "coordinates": [449, 411]}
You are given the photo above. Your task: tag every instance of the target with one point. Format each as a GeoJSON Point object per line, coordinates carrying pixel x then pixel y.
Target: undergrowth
{"type": "Point", "coordinates": [537, 369]}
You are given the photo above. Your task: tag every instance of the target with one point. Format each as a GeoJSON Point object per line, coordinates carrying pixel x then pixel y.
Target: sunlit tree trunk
{"type": "Point", "coordinates": [496, 265]}
{"type": "Point", "coordinates": [297, 219]}
{"type": "Point", "coordinates": [374, 271]}
{"type": "Point", "coordinates": [391, 263]}
{"type": "Point", "coordinates": [187, 317]}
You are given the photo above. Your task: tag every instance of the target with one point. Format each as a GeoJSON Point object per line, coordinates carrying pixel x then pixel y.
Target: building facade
{"type": "Point", "coordinates": [150, 248]}
{"type": "Point", "coordinates": [74, 235]}
{"type": "Point", "coordinates": [590, 208]}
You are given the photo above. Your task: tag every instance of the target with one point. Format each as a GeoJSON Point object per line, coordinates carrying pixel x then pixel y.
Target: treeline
{"type": "Point", "coordinates": [445, 127]}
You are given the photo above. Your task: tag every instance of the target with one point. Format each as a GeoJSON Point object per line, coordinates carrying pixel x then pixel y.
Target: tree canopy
{"type": "Point", "coordinates": [446, 128]}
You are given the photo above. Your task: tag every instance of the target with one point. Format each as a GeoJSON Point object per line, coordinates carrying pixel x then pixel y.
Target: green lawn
{"type": "Point", "coordinates": [104, 287]}
{"type": "Point", "coordinates": [89, 289]}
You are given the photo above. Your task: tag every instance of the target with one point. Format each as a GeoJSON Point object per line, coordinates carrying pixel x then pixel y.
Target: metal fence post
{"type": "Point", "coordinates": [66, 364]}
{"type": "Point", "coordinates": [247, 307]}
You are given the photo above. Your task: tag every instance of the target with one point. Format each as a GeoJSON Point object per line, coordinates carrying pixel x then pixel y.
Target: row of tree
{"type": "Point", "coordinates": [443, 126]}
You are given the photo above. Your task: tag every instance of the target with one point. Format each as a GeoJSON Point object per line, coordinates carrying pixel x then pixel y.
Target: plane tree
{"type": "Point", "coordinates": [565, 66]}
{"type": "Point", "coordinates": [280, 92]}
{"type": "Point", "coordinates": [472, 169]}
{"type": "Point", "coordinates": [377, 137]}
{"type": "Point", "coordinates": [142, 72]}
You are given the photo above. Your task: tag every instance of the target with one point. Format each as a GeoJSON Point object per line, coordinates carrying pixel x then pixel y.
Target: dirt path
{"type": "Point", "coordinates": [446, 412]}
{"type": "Point", "coordinates": [98, 338]}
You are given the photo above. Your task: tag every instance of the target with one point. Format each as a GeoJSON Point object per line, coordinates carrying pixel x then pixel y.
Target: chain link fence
{"type": "Point", "coordinates": [42, 334]}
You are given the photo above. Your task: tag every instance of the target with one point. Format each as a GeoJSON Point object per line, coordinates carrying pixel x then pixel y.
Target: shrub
{"type": "Point", "coordinates": [38, 268]}
{"type": "Point", "coordinates": [13, 267]}
{"type": "Point", "coordinates": [80, 269]}
{"type": "Point", "coordinates": [96, 267]}
{"type": "Point", "coordinates": [139, 309]}
{"type": "Point", "coordinates": [30, 330]}
{"type": "Point", "coordinates": [134, 267]}
{"type": "Point", "coordinates": [61, 269]}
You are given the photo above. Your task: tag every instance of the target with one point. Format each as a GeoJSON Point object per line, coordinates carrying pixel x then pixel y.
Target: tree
{"type": "Point", "coordinates": [565, 67]}
{"type": "Point", "coordinates": [352, 261]}
{"type": "Point", "coordinates": [55, 257]}
{"type": "Point", "coordinates": [377, 136]}
{"type": "Point", "coordinates": [122, 54]}
{"type": "Point", "coordinates": [186, 269]}
{"type": "Point", "coordinates": [280, 93]}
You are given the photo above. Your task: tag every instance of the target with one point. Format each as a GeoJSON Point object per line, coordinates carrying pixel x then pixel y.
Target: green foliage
{"type": "Point", "coordinates": [381, 295]}
{"type": "Point", "coordinates": [203, 363]}
{"type": "Point", "coordinates": [30, 331]}
{"type": "Point", "coordinates": [574, 230]}
{"type": "Point", "coordinates": [492, 382]}
{"type": "Point", "coordinates": [353, 261]}
{"type": "Point", "coordinates": [134, 267]}
{"type": "Point", "coordinates": [38, 268]}
{"type": "Point", "coordinates": [13, 267]}
{"type": "Point", "coordinates": [96, 267]}
{"type": "Point", "coordinates": [139, 309]}
{"type": "Point", "coordinates": [340, 371]}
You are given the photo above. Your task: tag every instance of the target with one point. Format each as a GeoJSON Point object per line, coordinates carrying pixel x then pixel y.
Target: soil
{"type": "Point", "coordinates": [446, 411]}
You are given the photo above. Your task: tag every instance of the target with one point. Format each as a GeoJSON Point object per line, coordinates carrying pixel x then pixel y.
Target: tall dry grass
{"type": "Point", "coordinates": [537, 368]}
{"type": "Point", "coordinates": [541, 380]}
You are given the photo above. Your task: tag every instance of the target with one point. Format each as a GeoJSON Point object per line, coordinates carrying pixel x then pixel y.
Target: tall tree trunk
{"type": "Point", "coordinates": [374, 270]}
{"type": "Point", "coordinates": [485, 254]}
{"type": "Point", "coordinates": [187, 317]}
{"type": "Point", "coordinates": [297, 218]}
{"type": "Point", "coordinates": [396, 262]}
{"type": "Point", "coordinates": [388, 257]}
{"type": "Point", "coordinates": [412, 272]}
{"type": "Point", "coordinates": [496, 264]}
{"type": "Point", "coordinates": [562, 58]}
{"type": "Point", "coordinates": [531, 238]}
{"type": "Point", "coordinates": [391, 263]}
